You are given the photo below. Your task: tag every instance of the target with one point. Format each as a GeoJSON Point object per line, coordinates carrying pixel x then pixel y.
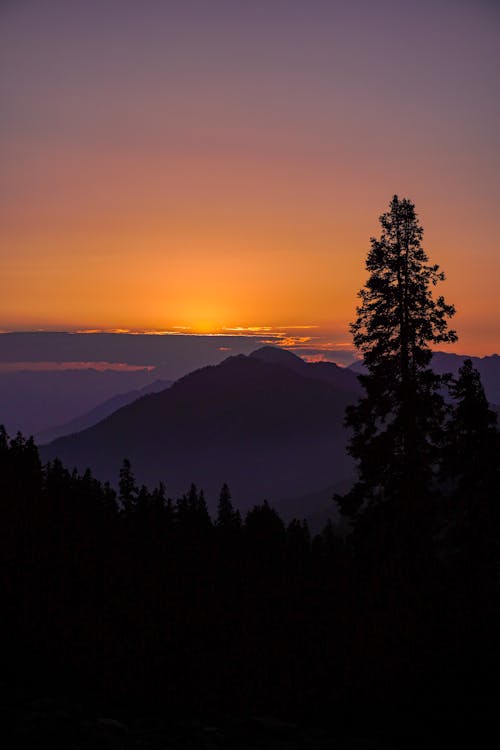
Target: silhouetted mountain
{"type": "Point", "coordinates": [262, 427]}
{"type": "Point", "coordinates": [100, 412]}
{"type": "Point", "coordinates": [442, 362]}
{"type": "Point", "coordinates": [32, 401]}
{"type": "Point", "coordinates": [340, 377]}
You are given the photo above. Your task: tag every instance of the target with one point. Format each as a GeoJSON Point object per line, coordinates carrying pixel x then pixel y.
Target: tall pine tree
{"type": "Point", "coordinates": [396, 425]}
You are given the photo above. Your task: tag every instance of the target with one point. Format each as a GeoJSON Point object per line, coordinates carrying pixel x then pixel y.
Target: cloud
{"type": "Point", "coordinates": [58, 366]}
{"type": "Point", "coordinates": [169, 350]}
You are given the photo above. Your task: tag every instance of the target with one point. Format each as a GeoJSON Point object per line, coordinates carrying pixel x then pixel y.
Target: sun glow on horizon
{"type": "Point", "coordinates": [215, 172]}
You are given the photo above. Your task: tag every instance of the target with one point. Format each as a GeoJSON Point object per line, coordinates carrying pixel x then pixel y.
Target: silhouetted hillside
{"type": "Point", "coordinates": [443, 362]}
{"type": "Point", "coordinates": [100, 412]}
{"type": "Point", "coordinates": [342, 378]}
{"type": "Point", "coordinates": [262, 427]}
{"type": "Point", "coordinates": [32, 401]}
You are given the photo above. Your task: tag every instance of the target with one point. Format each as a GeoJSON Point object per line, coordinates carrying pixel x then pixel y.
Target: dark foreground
{"type": "Point", "coordinates": [139, 622]}
{"type": "Point", "coordinates": [60, 724]}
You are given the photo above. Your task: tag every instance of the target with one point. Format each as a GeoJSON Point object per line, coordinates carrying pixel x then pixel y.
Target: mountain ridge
{"type": "Point", "coordinates": [450, 362]}
{"type": "Point", "coordinates": [269, 424]}
{"type": "Point", "coordinates": [99, 412]}
{"type": "Point", "coordinates": [262, 427]}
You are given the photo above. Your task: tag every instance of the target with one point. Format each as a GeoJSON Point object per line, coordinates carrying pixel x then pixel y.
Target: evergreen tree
{"type": "Point", "coordinates": [127, 486]}
{"type": "Point", "coordinates": [472, 450]}
{"type": "Point", "coordinates": [192, 512]}
{"type": "Point", "coordinates": [143, 503]}
{"type": "Point", "coordinates": [396, 425]}
{"type": "Point", "coordinates": [109, 498]}
{"type": "Point", "coordinates": [4, 440]}
{"type": "Point", "coordinates": [265, 532]}
{"type": "Point", "coordinates": [228, 519]}
{"type": "Point", "coordinates": [158, 497]}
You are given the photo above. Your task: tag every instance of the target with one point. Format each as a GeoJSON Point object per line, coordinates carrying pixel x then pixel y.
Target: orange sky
{"type": "Point", "coordinates": [234, 177]}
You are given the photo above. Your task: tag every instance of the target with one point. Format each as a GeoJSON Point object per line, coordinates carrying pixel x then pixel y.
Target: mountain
{"type": "Point", "coordinates": [100, 412]}
{"type": "Point", "coordinates": [32, 401]}
{"type": "Point", "coordinates": [443, 362]}
{"type": "Point", "coordinates": [342, 378]}
{"type": "Point", "coordinates": [269, 429]}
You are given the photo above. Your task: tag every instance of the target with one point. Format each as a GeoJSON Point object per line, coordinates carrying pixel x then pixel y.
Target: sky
{"type": "Point", "coordinates": [219, 166]}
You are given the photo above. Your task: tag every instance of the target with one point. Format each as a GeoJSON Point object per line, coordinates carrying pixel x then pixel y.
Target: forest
{"type": "Point", "coordinates": [131, 603]}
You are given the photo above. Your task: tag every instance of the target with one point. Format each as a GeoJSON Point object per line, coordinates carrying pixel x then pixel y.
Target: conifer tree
{"type": "Point", "coordinates": [143, 503]}
{"type": "Point", "coordinates": [192, 512]}
{"type": "Point", "coordinates": [4, 440]}
{"type": "Point", "coordinates": [109, 498]}
{"type": "Point", "coordinates": [127, 486]}
{"type": "Point", "coordinates": [159, 494]}
{"type": "Point", "coordinates": [397, 423]}
{"type": "Point", "coordinates": [472, 446]}
{"type": "Point", "coordinates": [228, 519]}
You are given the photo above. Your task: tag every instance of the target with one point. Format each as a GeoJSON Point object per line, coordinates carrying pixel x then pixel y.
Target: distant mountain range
{"type": "Point", "coordinates": [34, 401]}
{"type": "Point", "coordinates": [268, 424]}
{"type": "Point", "coordinates": [442, 362]}
{"type": "Point", "coordinates": [100, 412]}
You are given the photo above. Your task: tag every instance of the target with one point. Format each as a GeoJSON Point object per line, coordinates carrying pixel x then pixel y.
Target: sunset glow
{"type": "Point", "coordinates": [210, 167]}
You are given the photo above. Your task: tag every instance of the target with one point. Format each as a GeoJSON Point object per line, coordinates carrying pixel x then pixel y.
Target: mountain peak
{"type": "Point", "coordinates": [277, 356]}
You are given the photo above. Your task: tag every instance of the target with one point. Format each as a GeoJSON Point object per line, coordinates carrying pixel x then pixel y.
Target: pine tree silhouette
{"type": "Point", "coordinates": [397, 423]}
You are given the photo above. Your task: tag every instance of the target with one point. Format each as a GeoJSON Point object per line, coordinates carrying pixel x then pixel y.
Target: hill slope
{"type": "Point", "coordinates": [100, 412]}
{"type": "Point", "coordinates": [263, 427]}
{"type": "Point", "coordinates": [34, 401]}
